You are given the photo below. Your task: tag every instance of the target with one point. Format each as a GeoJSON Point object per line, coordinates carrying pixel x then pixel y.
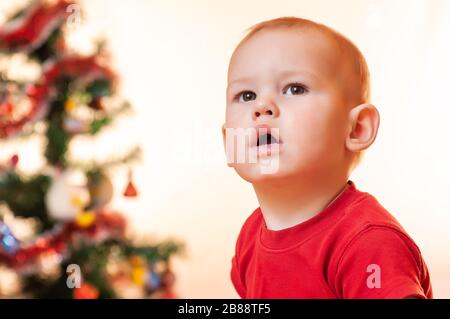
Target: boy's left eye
{"type": "Point", "coordinates": [295, 89]}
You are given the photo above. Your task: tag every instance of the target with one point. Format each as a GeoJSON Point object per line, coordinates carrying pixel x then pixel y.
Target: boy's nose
{"type": "Point", "coordinates": [268, 109]}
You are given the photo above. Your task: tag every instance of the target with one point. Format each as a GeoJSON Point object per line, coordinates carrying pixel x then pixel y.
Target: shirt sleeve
{"type": "Point", "coordinates": [381, 262]}
{"type": "Point", "coordinates": [236, 278]}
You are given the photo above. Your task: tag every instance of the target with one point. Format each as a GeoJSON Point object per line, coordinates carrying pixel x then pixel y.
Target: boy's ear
{"type": "Point", "coordinates": [364, 123]}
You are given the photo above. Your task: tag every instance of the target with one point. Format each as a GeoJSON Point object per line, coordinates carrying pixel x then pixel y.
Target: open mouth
{"type": "Point", "coordinates": [266, 139]}
{"type": "Point", "coordinates": [267, 142]}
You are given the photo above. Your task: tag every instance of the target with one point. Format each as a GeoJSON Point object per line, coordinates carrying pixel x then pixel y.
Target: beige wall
{"type": "Point", "coordinates": [173, 56]}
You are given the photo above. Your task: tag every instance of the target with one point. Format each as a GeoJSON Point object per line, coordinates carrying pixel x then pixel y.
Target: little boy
{"type": "Point", "coordinates": [298, 106]}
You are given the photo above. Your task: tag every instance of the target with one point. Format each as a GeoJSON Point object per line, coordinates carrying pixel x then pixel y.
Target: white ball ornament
{"type": "Point", "coordinates": [68, 195]}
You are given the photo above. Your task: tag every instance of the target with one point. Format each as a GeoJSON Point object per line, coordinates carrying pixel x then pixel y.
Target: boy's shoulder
{"type": "Point", "coordinates": [368, 237]}
{"type": "Point", "coordinates": [366, 213]}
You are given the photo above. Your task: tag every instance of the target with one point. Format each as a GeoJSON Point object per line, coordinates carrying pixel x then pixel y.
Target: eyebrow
{"type": "Point", "coordinates": [285, 73]}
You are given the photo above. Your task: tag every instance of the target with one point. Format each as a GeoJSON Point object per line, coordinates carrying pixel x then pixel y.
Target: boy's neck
{"type": "Point", "coordinates": [284, 205]}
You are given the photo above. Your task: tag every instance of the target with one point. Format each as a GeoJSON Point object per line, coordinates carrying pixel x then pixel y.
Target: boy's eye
{"type": "Point", "coordinates": [246, 96]}
{"type": "Point", "coordinates": [295, 89]}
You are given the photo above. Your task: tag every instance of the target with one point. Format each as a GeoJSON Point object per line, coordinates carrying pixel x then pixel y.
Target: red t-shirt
{"type": "Point", "coordinates": [352, 249]}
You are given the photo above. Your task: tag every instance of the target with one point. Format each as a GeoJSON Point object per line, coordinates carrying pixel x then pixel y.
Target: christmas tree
{"type": "Point", "coordinates": [58, 236]}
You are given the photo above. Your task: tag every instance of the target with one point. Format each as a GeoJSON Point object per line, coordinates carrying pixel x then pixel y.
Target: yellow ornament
{"type": "Point", "coordinates": [138, 275]}
{"type": "Point", "coordinates": [69, 105]}
{"type": "Point", "coordinates": [85, 219]}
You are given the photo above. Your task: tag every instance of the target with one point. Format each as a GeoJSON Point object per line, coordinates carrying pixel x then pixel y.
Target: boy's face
{"type": "Point", "coordinates": [290, 80]}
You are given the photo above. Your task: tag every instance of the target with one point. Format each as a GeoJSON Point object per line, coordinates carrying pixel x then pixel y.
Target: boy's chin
{"type": "Point", "coordinates": [257, 173]}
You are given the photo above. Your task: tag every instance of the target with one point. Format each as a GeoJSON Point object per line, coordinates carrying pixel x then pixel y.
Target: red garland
{"type": "Point", "coordinates": [10, 127]}
{"type": "Point", "coordinates": [106, 225]}
{"type": "Point", "coordinates": [75, 66]}
{"type": "Point", "coordinates": [71, 66]}
{"type": "Point", "coordinates": [29, 30]}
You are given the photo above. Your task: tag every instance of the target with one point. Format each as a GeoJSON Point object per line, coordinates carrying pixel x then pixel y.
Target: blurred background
{"type": "Point", "coordinates": [171, 58]}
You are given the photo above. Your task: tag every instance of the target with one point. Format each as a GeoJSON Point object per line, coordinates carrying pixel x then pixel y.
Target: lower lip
{"type": "Point", "coordinates": [267, 150]}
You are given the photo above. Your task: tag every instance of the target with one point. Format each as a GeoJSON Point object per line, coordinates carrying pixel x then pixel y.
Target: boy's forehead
{"type": "Point", "coordinates": [305, 50]}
